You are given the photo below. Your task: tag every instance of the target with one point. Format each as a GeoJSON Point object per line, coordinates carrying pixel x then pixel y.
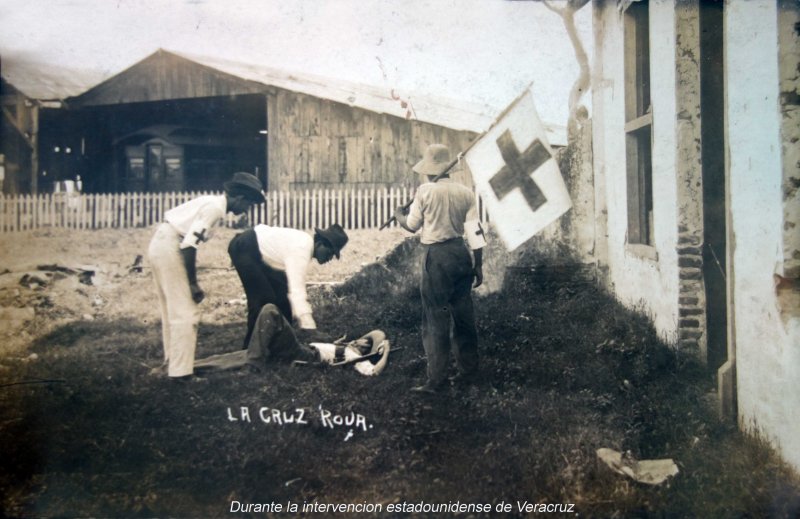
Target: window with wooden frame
{"type": "Point", "coordinates": [638, 124]}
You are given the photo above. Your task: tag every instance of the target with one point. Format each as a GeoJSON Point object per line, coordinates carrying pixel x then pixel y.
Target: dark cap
{"type": "Point", "coordinates": [245, 184]}
{"type": "Point", "coordinates": [335, 236]}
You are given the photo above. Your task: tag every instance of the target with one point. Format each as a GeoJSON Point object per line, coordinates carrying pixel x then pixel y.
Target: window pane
{"type": "Point", "coordinates": [638, 139]}
{"type": "Point", "coordinates": [642, 58]}
{"type": "Point", "coordinates": [640, 187]}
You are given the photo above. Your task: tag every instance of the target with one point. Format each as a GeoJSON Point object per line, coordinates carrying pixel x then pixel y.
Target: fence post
{"type": "Point", "coordinates": [63, 200]}
{"type": "Point", "coordinates": [361, 209]}
{"type": "Point", "coordinates": [138, 206]}
{"type": "Point", "coordinates": [326, 207]}
{"type": "Point", "coordinates": [106, 212]}
{"type": "Point", "coordinates": [348, 199]}
{"type": "Point", "coordinates": [276, 213]}
{"type": "Point", "coordinates": [337, 208]}
{"type": "Point", "coordinates": [297, 194]}
{"type": "Point", "coordinates": [302, 222]}
{"type": "Point", "coordinates": [311, 209]}
{"type": "Point", "coordinates": [306, 223]}
{"type": "Point", "coordinates": [118, 208]}
{"type": "Point", "coordinates": [320, 212]}
{"type": "Point", "coordinates": [35, 211]}
{"type": "Point", "coordinates": [28, 211]}
{"type": "Point", "coordinates": [91, 211]}
{"type": "Point", "coordinates": [98, 211]}
{"type": "Point", "coordinates": [121, 210]}
{"type": "Point", "coordinates": [131, 203]}
{"type": "Point", "coordinates": [365, 208]}
{"type": "Point", "coordinates": [271, 207]}
{"type": "Point", "coordinates": [373, 206]}
{"type": "Point", "coordinates": [15, 214]}
{"type": "Point", "coordinates": [355, 207]}
{"type": "Point", "coordinates": [288, 209]}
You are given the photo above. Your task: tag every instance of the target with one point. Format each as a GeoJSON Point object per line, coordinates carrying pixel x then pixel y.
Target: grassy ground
{"type": "Point", "coordinates": [86, 430]}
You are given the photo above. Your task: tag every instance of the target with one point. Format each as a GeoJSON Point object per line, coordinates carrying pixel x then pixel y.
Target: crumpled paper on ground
{"type": "Point", "coordinates": [651, 472]}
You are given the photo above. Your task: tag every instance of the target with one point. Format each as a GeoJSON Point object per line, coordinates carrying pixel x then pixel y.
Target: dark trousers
{"type": "Point", "coordinates": [262, 284]}
{"type": "Point", "coordinates": [448, 317]}
{"type": "Point", "coordinates": [274, 339]}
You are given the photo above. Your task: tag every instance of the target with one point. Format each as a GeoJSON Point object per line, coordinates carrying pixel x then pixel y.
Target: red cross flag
{"type": "Point", "coordinates": [516, 174]}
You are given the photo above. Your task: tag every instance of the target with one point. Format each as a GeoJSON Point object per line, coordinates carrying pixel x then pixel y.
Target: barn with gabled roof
{"type": "Point", "coordinates": [179, 122]}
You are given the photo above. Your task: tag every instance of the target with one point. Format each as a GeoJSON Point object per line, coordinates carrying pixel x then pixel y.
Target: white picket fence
{"type": "Point", "coordinates": [299, 209]}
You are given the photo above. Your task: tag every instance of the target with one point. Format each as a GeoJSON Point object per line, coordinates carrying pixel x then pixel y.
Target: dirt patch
{"type": "Point", "coordinates": [120, 286]}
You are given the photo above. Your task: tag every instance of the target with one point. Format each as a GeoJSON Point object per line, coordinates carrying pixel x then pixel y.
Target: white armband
{"type": "Point", "coordinates": [476, 238]}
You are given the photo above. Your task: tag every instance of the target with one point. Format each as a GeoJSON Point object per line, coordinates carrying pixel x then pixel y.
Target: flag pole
{"type": "Point", "coordinates": [464, 152]}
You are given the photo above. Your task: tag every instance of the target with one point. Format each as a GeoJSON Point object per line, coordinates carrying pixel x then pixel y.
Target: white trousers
{"type": "Point", "coordinates": [179, 313]}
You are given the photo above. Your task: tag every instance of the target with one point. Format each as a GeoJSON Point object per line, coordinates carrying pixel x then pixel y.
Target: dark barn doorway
{"type": "Point", "coordinates": [173, 145]}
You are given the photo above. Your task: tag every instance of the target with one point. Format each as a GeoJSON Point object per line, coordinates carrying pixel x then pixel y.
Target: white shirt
{"type": "Point", "coordinates": [290, 251]}
{"type": "Point", "coordinates": [195, 220]}
{"type": "Point", "coordinates": [440, 209]}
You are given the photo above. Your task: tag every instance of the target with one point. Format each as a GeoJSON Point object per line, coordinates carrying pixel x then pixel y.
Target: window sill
{"type": "Point", "coordinates": [642, 251]}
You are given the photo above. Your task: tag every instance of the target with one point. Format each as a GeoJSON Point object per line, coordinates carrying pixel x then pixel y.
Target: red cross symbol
{"type": "Point", "coordinates": [518, 168]}
{"type": "Point", "coordinates": [201, 236]}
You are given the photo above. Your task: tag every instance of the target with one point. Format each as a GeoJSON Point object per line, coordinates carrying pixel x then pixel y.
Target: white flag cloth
{"type": "Point", "coordinates": [516, 174]}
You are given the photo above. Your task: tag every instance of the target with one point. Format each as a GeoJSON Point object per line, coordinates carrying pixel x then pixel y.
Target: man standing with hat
{"type": "Point", "coordinates": [446, 212]}
{"type": "Point", "coordinates": [272, 263]}
{"type": "Point", "coordinates": [173, 255]}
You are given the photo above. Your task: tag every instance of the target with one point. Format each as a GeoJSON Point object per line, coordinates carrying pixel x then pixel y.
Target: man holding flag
{"type": "Point", "coordinates": [445, 210]}
{"type": "Point", "coordinates": [516, 174]}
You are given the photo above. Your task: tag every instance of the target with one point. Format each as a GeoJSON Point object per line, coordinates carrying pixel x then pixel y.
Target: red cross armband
{"type": "Point", "coordinates": [197, 234]}
{"type": "Point", "coordinates": [476, 238]}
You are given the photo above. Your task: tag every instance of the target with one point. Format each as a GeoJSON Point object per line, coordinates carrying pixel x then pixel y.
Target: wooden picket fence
{"type": "Point", "coordinates": [299, 209]}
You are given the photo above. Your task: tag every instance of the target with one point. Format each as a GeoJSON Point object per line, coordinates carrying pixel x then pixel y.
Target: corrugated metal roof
{"type": "Point", "coordinates": [457, 115]}
{"type": "Point", "coordinates": [45, 82]}
{"type": "Point", "coordinates": [438, 111]}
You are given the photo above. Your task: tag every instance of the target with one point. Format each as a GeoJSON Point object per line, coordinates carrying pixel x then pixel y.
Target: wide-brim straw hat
{"type": "Point", "coordinates": [434, 161]}
{"type": "Point", "coordinates": [334, 235]}
{"type": "Point", "coordinates": [246, 184]}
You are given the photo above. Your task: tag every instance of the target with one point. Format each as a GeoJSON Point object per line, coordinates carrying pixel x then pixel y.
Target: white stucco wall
{"type": "Point", "coordinates": [647, 284]}
{"type": "Point", "coordinates": [767, 350]}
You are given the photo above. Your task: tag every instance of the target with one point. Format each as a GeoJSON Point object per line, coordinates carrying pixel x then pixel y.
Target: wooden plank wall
{"type": "Point", "coordinates": [315, 143]}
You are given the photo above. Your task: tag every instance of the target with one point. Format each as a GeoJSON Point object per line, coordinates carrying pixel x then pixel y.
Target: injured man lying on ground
{"type": "Point", "coordinates": [273, 340]}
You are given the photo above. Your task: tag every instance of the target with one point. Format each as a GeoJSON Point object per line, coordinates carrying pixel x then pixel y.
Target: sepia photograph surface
{"type": "Point", "coordinates": [486, 258]}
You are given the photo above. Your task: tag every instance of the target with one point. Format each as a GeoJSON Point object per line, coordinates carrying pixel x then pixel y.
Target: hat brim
{"type": "Point", "coordinates": [431, 168]}
{"type": "Point", "coordinates": [251, 193]}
